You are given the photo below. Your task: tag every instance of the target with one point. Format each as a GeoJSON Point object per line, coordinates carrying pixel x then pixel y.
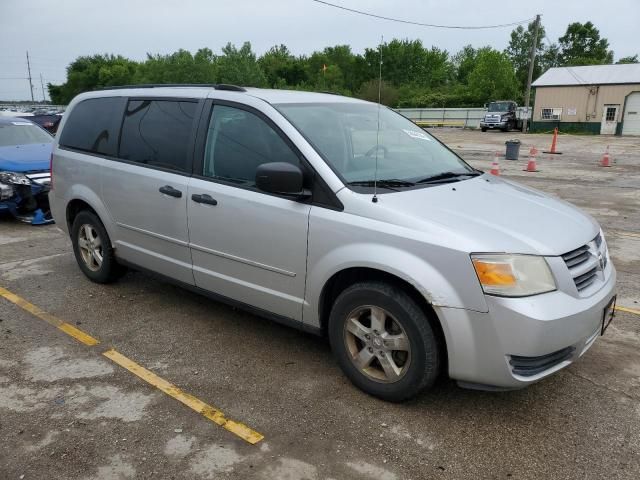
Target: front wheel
{"type": "Point", "coordinates": [92, 249]}
{"type": "Point", "coordinates": [483, 129]}
{"type": "Point", "coordinates": [383, 341]}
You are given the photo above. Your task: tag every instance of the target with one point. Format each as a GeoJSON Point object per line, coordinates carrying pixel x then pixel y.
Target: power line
{"type": "Point", "coordinates": [431, 25]}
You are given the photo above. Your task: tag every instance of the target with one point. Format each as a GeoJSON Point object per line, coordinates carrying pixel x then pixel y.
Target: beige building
{"type": "Point", "coordinates": [601, 99]}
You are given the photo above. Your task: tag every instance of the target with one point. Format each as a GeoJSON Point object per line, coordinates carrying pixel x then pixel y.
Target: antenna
{"type": "Point", "coordinates": [375, 175]}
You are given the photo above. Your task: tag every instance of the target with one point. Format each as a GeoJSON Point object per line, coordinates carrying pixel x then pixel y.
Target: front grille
{"type": "Point", "coordinates": [586, 261]}
{"type": "Point", "coordinates": [586, 279]}
{"type": "Point", "coordinates": [576, 257]}
{"type": "Point", "coordinates": [530, 366]}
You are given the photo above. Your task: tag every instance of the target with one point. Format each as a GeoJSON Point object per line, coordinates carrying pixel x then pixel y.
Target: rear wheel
{"type": "Point", "coordinates": [92, 249]}
{"type": "Point", "coordinates": [383, 341]}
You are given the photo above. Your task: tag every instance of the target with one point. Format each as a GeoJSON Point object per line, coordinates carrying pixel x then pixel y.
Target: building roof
{"type": "Point", "coordinates": [590, 75]}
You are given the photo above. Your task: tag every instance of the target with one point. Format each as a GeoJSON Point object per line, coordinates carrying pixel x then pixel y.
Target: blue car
{"type": "Point", "coordinates": [25, 172]}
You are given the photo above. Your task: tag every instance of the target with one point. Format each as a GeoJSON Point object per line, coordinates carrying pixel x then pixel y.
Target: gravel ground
{"type": "Point", "coordinates": [66, 412]}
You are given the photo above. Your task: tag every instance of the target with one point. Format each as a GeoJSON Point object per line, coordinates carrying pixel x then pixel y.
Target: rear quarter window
{"type": "Point", "coordinates": [94, 125]}
{"type": "Point", "coordinates": [157, 133]}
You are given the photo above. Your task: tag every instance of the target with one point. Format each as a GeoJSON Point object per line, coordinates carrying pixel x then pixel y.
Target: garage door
{"type": "Point", "coordinates": [631, 125]}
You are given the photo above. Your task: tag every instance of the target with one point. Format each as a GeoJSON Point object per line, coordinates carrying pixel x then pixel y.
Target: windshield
{"type": "Point", "coordinates": [22, 133]}
{"type": "Point", "coordinates": [498, 107]}
{"type": "Point", "coordinates": [346, 136]}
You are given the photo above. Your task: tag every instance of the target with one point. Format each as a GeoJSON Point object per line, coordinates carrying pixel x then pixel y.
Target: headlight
{"type": "Point", "coordinates": [6, 192]}
{"type": "Point", "coordinates": [12, 178]}
{"type": "Point", "coordinates": [513, 275]}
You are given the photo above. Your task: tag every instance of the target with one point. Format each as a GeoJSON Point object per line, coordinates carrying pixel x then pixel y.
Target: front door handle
{"type": "Point", "coordinates": [169, 190]}
{"type": "Point", "coordinates": [203, 198]}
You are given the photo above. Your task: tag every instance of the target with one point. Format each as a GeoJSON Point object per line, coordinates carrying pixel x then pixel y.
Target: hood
{"type": "Point", "coordinates": [24, 158]}
{"type": "Point", "coordinates": [488, 214]}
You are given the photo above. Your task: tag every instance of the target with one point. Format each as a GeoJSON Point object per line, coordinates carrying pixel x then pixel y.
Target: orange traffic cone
{"type": "Point", "coordinates": [554, 143]}
{"type": "Point", "coordinates": [531, 165]}
{"type": "Point", "coordinates": [606, 160]}
{"type": "Point", "coordinates": [533, 151]}
{"type": "Point", "coordinates": [495, 166]}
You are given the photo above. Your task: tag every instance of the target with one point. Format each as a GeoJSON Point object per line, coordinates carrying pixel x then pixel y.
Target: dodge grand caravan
{"type": "Point", "coordinates": [337, 216]}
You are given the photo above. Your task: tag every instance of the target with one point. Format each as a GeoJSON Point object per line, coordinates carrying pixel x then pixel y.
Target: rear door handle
{"type": "Point", "coordinates": [203, 198]}
{"type": "Point", "coordinates": [169, 190]}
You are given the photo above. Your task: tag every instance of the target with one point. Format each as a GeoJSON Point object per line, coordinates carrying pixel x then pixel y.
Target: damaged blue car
{"type": "Point", "coordinates": [25, 170]}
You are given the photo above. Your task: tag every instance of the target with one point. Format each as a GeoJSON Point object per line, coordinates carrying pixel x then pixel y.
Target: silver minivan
{"type": "Point", "coordinates": [337, 216]}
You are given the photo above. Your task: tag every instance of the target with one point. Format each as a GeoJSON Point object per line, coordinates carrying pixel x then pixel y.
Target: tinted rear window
{"type": "Point", "coordinates": [156, 133]}
{"type": "Point", "coordinates": [93, 125]}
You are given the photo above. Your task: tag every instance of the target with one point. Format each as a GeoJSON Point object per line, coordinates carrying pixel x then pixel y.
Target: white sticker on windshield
{"type": "Point", "coordinates": [21, 123]}
{"type": "Point", "coordinates": [415, 134]}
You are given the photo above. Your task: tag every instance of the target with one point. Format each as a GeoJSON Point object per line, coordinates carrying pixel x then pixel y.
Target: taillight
{"type": "Point", "coordinates": [51, 170]}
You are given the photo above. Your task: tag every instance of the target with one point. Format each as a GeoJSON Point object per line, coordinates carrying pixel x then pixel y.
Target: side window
{"type": "Point", "coordinates": [237, 142]}
{"type": "Point", "coordinates": [156, 133]}
{"type": "Point", "coordinates": [93, 125]}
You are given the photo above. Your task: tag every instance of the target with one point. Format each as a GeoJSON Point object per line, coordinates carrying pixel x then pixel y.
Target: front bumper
{"type": "Point", "coordinates": [30, 205]}
{"type": "Point", "coordinates": [493, 125]}
{"type": "Point", "coordinates": [481, 345]}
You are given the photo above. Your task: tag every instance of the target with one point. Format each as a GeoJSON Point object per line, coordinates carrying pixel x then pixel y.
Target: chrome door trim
{"type": "Point", "coordinates": [242, 260]}
{"type": "Point", "coordinates": [153, 234]}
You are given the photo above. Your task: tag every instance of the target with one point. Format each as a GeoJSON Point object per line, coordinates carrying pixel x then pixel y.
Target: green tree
{"type": "Point", "coordinates": [493, 77]}
{"type": "Point", "coordinates": [178, 67]}
{"type": "Point", "coordinates": [281, 68]}
{"type": "Point", "coordinates": [239, 66]}
{"type": "Point", "coordinates": [519, 50]}
{"type": "Point", "coordinates": [464, 62]}
{"type": "Point", "coordinates": [389, 95]}
{"type": "Point", "coordinates": [550, 57]}
{"type": "Point", "coordinates": [408, 62]}
{"type": "Point", "coordinates": [92, 72]}
{"type": "Point", "coordinates": [629, 59]}
{"type": "Point", "coordinates": [582, 45]}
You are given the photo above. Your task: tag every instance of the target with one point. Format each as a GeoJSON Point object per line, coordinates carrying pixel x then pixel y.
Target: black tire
{"type": "Point", "coordinates": [109, 270]}
{"type": "Point", "coordinates": [483, 129]}
{"type": "Point", "coordinates": [423, 366]}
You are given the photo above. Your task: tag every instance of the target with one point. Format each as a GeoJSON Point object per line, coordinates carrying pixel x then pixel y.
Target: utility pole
{"type": "Point", "coordinates": [30, 83]}
{"type": "Point", "coordinates": [532, 61]}
{"type": "Point", "coordinates": [44, 99]}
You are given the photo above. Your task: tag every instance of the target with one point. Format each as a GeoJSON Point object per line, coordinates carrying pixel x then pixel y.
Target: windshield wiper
{"type": "Point", "coordinates": [389, 183]}
{"type": "Point", "coordinates": [449, 177]}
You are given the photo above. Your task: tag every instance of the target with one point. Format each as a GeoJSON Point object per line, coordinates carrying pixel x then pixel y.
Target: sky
{"type": "Point", "coordinates": [55, 32]}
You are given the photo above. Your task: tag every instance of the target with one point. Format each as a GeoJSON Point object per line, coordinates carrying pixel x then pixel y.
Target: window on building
{"type": "Point", "coordinates": [238, 142]}
{"type": "Point", "coordinates": [156, 133]}
{"type": "Point", "coordinates": [551, 114]}
{"type": "Point", "coordinates": [610, 115]}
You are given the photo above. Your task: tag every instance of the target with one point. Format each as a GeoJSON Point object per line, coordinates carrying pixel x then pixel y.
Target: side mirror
{"type": "Point", "coordinates": [282, 178]}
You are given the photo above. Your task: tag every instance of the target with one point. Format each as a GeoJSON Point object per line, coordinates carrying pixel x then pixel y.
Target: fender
{"type": "Point", "coordinates": [87, 195]}
{"type": "Point", "coordinates": [415, 270]}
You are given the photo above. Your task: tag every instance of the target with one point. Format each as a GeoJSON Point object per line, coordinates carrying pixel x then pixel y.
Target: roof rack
{"type": "Point", "coordinates": [217, 86]}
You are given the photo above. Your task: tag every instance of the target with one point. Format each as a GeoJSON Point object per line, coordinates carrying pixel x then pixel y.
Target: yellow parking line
{"type": "Point", "coordinates": [190, 401]}
{"type": "Point", "coordinates": [628, 310]}
{"type": "Point", "coordinates": [50, 319]}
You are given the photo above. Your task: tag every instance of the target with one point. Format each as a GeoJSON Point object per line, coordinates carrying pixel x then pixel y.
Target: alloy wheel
{"type": "Point", "coordinates": [377, 344]}
{"type": "Point", "coordinates": [90, 245]}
